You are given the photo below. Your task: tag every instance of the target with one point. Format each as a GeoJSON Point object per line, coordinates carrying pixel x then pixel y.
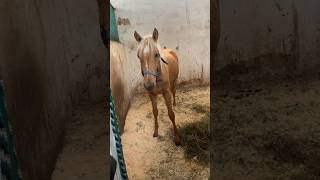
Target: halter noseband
{"type": "Point", "coordinates": [146, 72]}
{"type": "Point", "coordinates": [156, 74]}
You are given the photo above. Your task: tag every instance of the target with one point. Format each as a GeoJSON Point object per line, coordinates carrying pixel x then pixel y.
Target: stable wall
{"type": "Point", "coordinates": [183, 26]}
{"type": "Point", "coordinates": [85, 52]}
{"type": "Point", "coordinates": [269, 37]}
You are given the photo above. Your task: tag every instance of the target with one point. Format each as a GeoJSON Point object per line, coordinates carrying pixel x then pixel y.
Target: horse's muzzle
{"type": "Point", "coordinates": [148, 85]}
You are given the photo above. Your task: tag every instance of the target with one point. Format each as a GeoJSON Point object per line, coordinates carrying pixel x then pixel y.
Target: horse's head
{"type": "Point", "coordinates": [149, 55]}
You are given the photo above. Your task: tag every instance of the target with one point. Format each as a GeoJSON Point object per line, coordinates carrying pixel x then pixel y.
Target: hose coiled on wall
{"type": "Point", "coordinates": [114, 127]}
{"type": "Point", "coordinates": [9, 168]}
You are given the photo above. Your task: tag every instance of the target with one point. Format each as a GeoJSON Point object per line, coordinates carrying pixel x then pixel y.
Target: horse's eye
{"type": "Point", "coordinates": [157, 55]}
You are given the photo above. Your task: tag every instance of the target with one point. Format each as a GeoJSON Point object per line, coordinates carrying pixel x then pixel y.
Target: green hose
{"type": "Point", "coordinates": [115, 129]}
{"type": "Point", "coordinates": [9, 168]}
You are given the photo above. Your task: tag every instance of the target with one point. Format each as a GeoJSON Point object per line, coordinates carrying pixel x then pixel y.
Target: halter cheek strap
{"type": "Point", "coordinates": [156, 74]}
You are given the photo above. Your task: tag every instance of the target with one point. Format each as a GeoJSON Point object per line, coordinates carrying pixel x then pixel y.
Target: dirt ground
{"type": "Point", "coordinates": [84, 154]}
{"type": "Point", "coordinates": [267, 130]}
{"type": "Point", "coordinates": [158, 158]}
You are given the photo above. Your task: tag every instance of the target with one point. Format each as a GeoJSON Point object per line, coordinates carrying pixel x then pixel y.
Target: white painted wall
{"type": "Point", "coordinates": [181, 23]}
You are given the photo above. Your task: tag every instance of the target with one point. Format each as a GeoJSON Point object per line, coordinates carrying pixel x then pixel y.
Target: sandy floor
{"type": "Point", "coordinates": [84, 153]}
{"type": "Point", "coordinates": [158, 158]}
{"type": "Point", "coordinates": [268, 130]}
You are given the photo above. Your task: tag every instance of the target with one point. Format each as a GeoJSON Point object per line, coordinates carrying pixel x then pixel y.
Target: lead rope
{"type": "Point", "coordinates": [115, 131]}
{"type": "Point", "coordinates": [9, 168]}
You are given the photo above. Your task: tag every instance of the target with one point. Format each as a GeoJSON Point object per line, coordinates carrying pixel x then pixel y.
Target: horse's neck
{"type": "Point", "coordinates": [160, 52]}
{"type": "Point", "coordinates": [163, 66]}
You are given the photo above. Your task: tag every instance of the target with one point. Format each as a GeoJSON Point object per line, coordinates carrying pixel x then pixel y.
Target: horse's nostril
{"type": "Point", "coordinates": [148, 85]}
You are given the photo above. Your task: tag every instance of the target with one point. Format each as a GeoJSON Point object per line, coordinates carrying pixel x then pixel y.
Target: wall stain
{"type": "Point", "coordinates": [278, 6]}
{"type": "Point", "coordinates": [75, 58]}
{"type": "Point", "coordinates": [295, 39]}
{"type": "Point", "coordinates": [269, 28]}
{"type": "Point", "coordinates": [123, 21]}
{"type": "Point", "coordinates": [257, 67]}
{"type": "Point", "coordinates": [187, 12]}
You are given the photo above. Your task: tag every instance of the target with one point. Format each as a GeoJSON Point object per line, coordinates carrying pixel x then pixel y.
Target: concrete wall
{"type": "Point", "coordinates": [183, 26]}
{"type": "Point", "coordinates": [85, 52]}
{"type": "Point", "coordinates": [48, 49]}
{"type": "Point", "coordinates": [270, 37]}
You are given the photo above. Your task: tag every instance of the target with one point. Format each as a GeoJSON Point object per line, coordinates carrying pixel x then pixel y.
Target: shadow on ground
{"type": "Point", "coordinates": [195, 139]}
{"type": "Point", "coordinates": [267, 130]}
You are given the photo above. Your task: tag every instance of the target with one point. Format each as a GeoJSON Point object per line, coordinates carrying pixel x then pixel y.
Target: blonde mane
{"type": "Point", "coordinates": [147, 41]}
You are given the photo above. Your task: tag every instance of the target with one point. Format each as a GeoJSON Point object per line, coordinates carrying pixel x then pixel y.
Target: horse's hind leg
{"type": "Point", "coordinates": [167, 97]}
{"type": "Point", "coordinates": [155, 114]}
{"type": "Point", "coordinates": [173, 90]}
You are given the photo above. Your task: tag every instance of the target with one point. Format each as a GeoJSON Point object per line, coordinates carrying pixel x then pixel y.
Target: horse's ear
{"type": "Point", "coordinates": [155, 34]}
{"type": "Point", "coordinates": [137, 36]}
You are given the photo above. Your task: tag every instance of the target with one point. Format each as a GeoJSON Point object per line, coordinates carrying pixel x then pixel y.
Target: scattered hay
{"type": "Point", "coordinates": [195, 138]}
{"type": "Point", "coordinates": [200, 108]}
{"type": "Point", "coordinates": [270, 134]}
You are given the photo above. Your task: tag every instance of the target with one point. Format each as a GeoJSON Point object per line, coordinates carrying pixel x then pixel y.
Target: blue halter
{"type": "Point", "coordinates": [147, 72]}
{"type": "Point", "coordinates": [156, 74]}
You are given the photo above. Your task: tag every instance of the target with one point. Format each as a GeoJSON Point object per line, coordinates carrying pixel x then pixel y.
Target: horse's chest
{"type": "Point", "coordinates": [158, 89]}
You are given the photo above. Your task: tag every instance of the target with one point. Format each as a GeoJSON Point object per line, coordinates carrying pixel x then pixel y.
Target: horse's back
{"type": "Point", "coordinates": [173, 66]}
{"type": "Point", "coordinates": [170, 54]}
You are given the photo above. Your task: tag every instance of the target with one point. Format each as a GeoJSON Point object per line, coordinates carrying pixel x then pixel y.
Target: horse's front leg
{"type": "Point", "coordinates": [155, 113]}
{"type": "Point", "coordinates": [167, 97]}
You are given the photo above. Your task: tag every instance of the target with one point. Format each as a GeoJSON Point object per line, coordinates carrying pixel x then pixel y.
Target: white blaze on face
{"type": "Point", "coordinates": [146, 51]}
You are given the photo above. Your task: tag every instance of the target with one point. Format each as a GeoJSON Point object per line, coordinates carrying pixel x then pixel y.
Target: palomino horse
{"type": "Point", "coordinates": [160, 71]}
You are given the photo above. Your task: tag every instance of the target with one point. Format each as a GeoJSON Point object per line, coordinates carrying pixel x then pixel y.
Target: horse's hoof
{"type": "Point", "coordinates": [177, 141]}
{"type": "Point", "coordinates": [155, 134]}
